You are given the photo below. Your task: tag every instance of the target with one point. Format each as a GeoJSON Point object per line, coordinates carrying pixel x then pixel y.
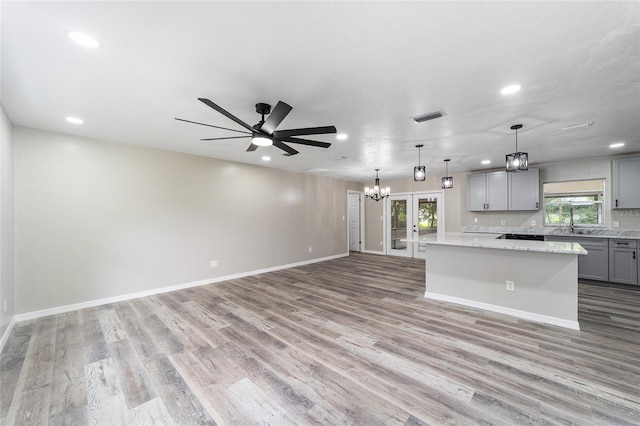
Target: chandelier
{"type": "Point", "coordinates": [517, 161]}
{"type": "Point", "coordinates": [377, 193]}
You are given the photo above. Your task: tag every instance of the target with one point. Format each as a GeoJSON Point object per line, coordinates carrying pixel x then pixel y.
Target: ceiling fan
{"type": "Point", "coordinates": [264, 133]}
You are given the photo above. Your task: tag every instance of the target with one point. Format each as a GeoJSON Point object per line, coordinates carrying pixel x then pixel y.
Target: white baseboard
{"type": "Point", "coordinates": [98, 302]}
{"type": "Point", "coordinates": [7, 332]}
{"type": "Point", "coordinates": [373, 252]}
{"type": "Point", "coordinates": [507, 311]}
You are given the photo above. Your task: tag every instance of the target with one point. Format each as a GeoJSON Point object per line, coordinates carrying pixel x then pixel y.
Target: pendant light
{"type": "Point", "coordinates": [517, 161]}
{"type": "Point", "coordinates": [419, 172]}
{"type": "Point", "coordinates": [377, 193]}
{"type": "Point", "coordinates": [447, 181]}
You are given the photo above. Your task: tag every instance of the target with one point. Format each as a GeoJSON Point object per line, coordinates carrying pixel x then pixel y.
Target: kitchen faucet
{"type": "Point", "coordinates": [571, 222]}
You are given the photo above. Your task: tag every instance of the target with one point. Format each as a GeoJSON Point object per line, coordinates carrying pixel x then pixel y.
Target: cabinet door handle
{"type": "Point", "coordinates": [537, 206]}
{"type": "Point", "coordinates": [634, 254]}
{"type": "Point", "coordinates": [616, 203]}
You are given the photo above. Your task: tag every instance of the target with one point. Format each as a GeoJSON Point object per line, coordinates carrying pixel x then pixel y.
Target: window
{"type": "Point", "coordinates": [581, 199]}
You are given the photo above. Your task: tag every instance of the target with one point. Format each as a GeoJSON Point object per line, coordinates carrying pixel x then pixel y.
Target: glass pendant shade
{"type": "Point", "coordinates": [419, 172]}
{"type": "Point", "coordinates": [447, 181]}
{"type": "Point", "coordinates": [516, 161]}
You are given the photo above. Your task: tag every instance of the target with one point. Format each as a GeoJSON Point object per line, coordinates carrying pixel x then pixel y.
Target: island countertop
{"type": "Point", "coordinates": [492, 241]}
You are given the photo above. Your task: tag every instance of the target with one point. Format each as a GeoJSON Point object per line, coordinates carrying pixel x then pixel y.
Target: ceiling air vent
{"type": "Point", "coordinates": [428, 116]}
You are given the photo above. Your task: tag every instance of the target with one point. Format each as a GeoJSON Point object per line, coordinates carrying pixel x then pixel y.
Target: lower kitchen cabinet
{"type": "Point", "coordinates": [623, 261]}
{"type": "Point", "coordinates": [595, 264]}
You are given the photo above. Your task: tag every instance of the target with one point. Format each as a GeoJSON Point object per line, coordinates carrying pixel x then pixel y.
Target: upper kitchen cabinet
{"type": "Point", "coordinates": [524, 190]}
{"type": "Point", "coordinates": [626, 187]}
{"type": "Point", "coordinates": [487, 191]}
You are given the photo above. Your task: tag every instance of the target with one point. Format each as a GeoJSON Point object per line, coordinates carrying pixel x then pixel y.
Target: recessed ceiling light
{"type": "Point", "coordinates": [266, 158]}
{"type": "Point", "coordinates": [75, 120]}
{"type": "Point", "coordinates": [83, 39]}
{"type": "Point", "coordinates": [511, 89]}
{"type": "Point", "coordinates": [485, 162]}
{"type": "Point", "coordinates": [341, 136]}
{"type": "Point", "coordinates": [617, 145]}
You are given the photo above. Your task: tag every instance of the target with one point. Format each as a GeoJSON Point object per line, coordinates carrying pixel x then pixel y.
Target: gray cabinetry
{"type": "Point", "coordinates": [487, 191]}
{"type": "Point", "coordinates": [626, 190]}
{"type": "Point", "coordinates": [595, 264]}
{"type": "Point", "coordinates": [623, 261]}
{"type": "Point", "coordinates": [524, 190]}
{"type": "Point", "coordinates": [476, 191]}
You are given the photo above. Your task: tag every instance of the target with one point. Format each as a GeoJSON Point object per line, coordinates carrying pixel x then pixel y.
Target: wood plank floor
{"type": "Point", "coordinates": [347, 341]}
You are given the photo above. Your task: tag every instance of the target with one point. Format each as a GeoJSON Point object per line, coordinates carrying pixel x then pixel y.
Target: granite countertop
{"type": "Point", "coordinates": [558, 231]}
{"type": "Point", "coordinates": [492, 241]}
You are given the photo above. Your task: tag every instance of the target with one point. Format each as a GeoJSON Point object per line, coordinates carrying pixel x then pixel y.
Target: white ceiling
{"type": "Point", "coordinates": [365, 67]}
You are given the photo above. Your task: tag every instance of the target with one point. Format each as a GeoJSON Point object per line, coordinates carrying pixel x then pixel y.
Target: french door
{"type": "Point", "coordinates": [411, 217]}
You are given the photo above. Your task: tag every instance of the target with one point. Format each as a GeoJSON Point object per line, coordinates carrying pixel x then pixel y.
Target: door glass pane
{"type": "Point", "coordinates": [427, 219]}
{"type": "Point", "coordinates": [398, 224]}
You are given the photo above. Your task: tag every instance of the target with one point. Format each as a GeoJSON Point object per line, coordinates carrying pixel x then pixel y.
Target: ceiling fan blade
{"type": "Point", "coordinates": [229, 137]}
{"type": "Point", "coordinates": [211, 125]}
{"type": "Point", "coordinates": [306, 131]}
{"type": "Point", "coordinates": [275, 118]}
{"type": "Point", "coordinates": [284, 147]}
{"type": "Point", "coordinates": [252, 147]}
{"type": "Point", "coordinates": [226, 114]}
{"type": "Point", "coordinates": [306, 142]}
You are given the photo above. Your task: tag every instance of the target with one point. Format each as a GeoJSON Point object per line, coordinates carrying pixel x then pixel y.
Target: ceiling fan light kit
{"type": "Point", "coordinates": [264, 133]}
{"type": "Point", "coordinates": [376, 193]}
{"type": "Point", "coordinates": [517, 161]}
{"type": "Point", "coordinates": [419, 172]}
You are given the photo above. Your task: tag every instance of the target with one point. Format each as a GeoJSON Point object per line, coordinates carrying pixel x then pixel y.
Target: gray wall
{"type": "Point", "coordinates": [97, 220]}
{"type": "Point", "coordinates": [7, 282]}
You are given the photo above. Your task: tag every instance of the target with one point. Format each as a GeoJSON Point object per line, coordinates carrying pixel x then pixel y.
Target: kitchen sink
{"type": "Point", "coordinates": [583, 231]}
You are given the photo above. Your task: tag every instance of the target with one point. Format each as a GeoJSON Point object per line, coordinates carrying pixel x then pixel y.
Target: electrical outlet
{"type": "Point", "coordinates": [511, 285]}
{"type": "Point", "coordinates": [503, 222]}
{"type": "Point", "coordinates": [533, 223]}
{"type": "Point", "coordinates": [475, 220]}
{"type": "Point", "coordinates": [616, 224]}
{"type": "Point", "coordinates": [214, 263]}
{"type": "Point", "coordinates": [310, 248]}
{"type": "Point", "coordinates": [380, 242]}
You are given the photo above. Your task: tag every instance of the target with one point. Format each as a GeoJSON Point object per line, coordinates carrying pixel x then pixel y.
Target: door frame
{"type": "Point", "coordinates": [361, 219]}
{"type": "Point", "coordinates": [412, 196]}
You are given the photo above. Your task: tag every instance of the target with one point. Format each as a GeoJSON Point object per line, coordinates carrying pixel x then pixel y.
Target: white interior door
{"type": "Point", "coordinates": [411, 217]}
{"type": "Point", "coordinates": [355, 242]}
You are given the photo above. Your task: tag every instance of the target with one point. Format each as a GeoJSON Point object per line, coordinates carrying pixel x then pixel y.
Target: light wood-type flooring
{"type": "Point", "coordinates": [347, 341]}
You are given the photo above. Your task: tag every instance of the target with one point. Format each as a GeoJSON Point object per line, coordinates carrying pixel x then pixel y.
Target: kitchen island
{"type": "Point", "coordinates": [476, 269]}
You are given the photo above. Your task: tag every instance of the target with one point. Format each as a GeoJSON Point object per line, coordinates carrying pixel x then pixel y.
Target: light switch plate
{"type": "Point", "coordinates": [616, 224]}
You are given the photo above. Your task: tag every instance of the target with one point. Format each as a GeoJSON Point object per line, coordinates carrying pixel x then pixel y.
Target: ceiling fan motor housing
{"type": "Point", "coordinates": [263, 109]}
